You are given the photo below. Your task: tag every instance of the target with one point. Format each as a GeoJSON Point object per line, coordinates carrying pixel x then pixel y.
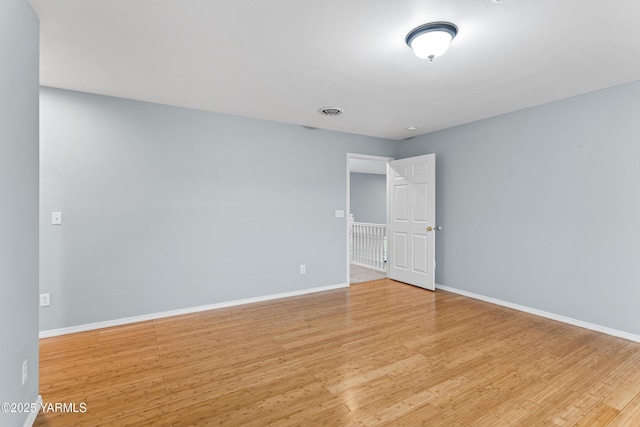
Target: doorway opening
{"type": "Point", "coordinates": [367, 217]}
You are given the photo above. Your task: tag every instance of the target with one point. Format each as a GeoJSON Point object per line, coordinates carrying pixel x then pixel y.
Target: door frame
{"type": "Point", "coordinates": [351, 156]}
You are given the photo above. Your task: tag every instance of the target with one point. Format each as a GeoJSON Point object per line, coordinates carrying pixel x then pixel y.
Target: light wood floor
{"type": "Point", "coordinates": [380, 353]}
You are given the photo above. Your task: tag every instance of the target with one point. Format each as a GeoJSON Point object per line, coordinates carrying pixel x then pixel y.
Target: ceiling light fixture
{"type": "Point", "coordinates": [431, 40]}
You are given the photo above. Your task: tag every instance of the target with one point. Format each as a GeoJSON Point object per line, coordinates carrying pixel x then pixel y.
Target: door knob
{"type": "Point", "coordinates": [429, 228]}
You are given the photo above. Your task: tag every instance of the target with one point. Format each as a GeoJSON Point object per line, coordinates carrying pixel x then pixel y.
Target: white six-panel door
{"type": "Point", "coordinates": [412, 214]}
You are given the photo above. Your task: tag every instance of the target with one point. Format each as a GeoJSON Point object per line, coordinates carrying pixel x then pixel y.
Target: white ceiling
{"type": "Point", "coordinates": [281, 60]}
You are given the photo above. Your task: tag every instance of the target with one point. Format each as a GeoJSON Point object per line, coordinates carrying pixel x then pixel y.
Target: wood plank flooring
{"type": "Point", "coordinates": [375, 354]}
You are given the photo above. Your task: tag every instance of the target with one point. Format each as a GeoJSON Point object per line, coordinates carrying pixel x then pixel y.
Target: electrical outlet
{"type": "Point", "coordinates": [56, 218]}
{"type": "Point", "coordinates": [24, 371]}
{"type": "Point", "coordinates": [303, 269]}
{"type": "Point", "coordinates": [44, 300]}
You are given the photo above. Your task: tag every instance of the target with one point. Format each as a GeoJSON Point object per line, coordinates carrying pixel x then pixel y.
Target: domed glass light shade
{"type": "Point", "coordinates": [431, 40]}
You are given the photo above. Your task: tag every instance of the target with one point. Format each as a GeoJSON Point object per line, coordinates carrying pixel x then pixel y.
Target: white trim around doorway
{"type": "Point", "coordinates": [351, 156]}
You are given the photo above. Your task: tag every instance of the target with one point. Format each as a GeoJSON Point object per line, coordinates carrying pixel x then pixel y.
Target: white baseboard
{"type": "Point", "coordinates": [152, 316]}
{"type": "Point", "coordinates": [33, 415]}
{"type": "Point", "coordinates": [541, 313]}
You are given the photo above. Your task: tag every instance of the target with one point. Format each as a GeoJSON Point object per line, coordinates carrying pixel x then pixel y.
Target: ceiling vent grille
{"type": "Point", "coordinates": [330, 111]}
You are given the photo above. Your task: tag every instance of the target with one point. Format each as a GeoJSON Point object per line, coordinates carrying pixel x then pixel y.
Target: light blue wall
{"type": "Point", "coordinates": [19, 35]}
{"type": "Point", "coordinates": [541, 207]}
{"type": "Point", "coordinates": [368, 195]}
{"type": "Point", "coordinates": [167, 208]}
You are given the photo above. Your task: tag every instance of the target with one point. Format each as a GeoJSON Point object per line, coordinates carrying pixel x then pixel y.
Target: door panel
{"type": "Point", "coordinates": [420, 205]}
{"type": "Point", "coordinates": [420, 253]}
{"type": "Point", "coordinates": [412, 220]}
{"type": "Point", "coordinates": [400, 242]}
{"type": "Point", "coordinates": [402, 202]}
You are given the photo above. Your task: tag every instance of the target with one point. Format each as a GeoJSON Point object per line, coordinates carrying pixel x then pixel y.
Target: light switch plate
{"type": "Point", "coordinates": [56, 218]}
{"type": "Point", "coordinates": [339, 213]}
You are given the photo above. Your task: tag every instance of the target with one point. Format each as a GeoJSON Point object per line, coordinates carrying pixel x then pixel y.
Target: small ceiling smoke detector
{"type": "Point", "coordinates": [411, 128]}
{"type": "Point", "coordinates": [330, 111]}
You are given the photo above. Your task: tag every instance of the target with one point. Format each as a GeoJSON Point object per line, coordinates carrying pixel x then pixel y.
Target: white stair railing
{"type": "Point", "coordinates": [368, 245]}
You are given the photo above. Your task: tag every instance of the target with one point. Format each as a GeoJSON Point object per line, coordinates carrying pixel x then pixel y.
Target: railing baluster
{"type": "Point", "coordinates": [367, 250]}
{"type": "Point", "coordinates": [368, 245]}
{"type": "Point", "coordinates": [359, 253]}
{"type": "Point", "coordinates": [377, 249]}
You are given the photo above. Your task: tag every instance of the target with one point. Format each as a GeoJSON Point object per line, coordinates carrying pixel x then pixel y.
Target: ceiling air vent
{"type": "Point", "coordinates": [330, 111]}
